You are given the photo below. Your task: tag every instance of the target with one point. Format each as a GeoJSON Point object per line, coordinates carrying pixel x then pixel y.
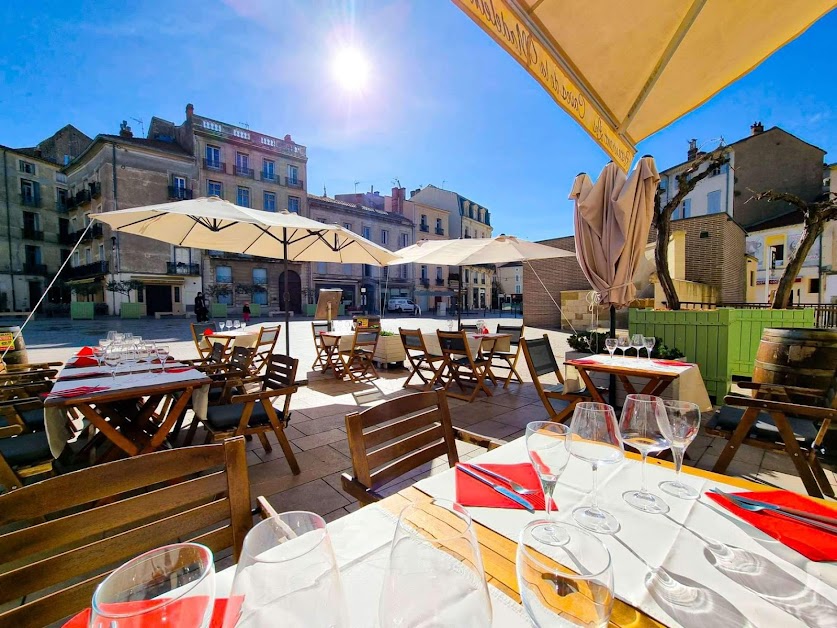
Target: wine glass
{"type": "Point", "coordinates": [287, 576]}
{"type": "Point", "coordinates": [229, 325]}
{"type": "Point", "coordinates": [111, 336]}
{"type": "Point", "coordinates": [546, 444]}
{"type": "Point", "coordinates": [152, 352]}
{"type": "Point", "coordinates": [642, 416]}
{"type": "Point", "coordinates": [236, 324]}
{"type": "Point", "coordinates": [99, 354]}
{"type": "Point", "coordinates": [172, 585]}
{"type": "Point", "coordinates": [610, 345]}
{"type": "Point", "coordinates": [649, 342]}
{"type": "Point", "coordinates": [163, 354]}
{"type": "Point", "coordinates": [623, 343]}
{"type": "Point", "coordinates": [570, 584]}
{"type": "Point", "coordinates": [680, 428]}
{"type": "Point", "coordinates": [113, 356]}
{"type": "Point", "coordinates": [436, 578]}
{"type": "Point", "coordinates": [594, 437]}
{"type": "Point", "coordinates": [104, 343]}
{"type": "Point", "coordinates": [637, 343]}
{"type": "Point", "coordinates": [222, 325]}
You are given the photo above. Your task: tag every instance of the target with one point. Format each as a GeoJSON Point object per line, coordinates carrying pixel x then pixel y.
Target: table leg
{"type": "Point", "coordinates": [171, 418]}
{"type": "Point", "coordinates": [627, 385]}
{"type": "Point", "coordinates": [588, 383]}
{"type": "Point", "coordinates": [110, 432]}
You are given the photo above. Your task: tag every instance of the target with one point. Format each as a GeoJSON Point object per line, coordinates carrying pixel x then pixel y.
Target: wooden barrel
{"type": "Point", "coordinates": [797, 357]}
{"type": "Point", "coordinates": [17, 354]}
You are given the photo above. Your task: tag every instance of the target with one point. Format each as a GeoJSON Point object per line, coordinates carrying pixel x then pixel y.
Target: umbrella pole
{"type": "Point", "coordinates": [611, 393]}
{"type": "Point", "coordinates": [459, 302]}
{"type": "Point", "coordinates": [287, 295]}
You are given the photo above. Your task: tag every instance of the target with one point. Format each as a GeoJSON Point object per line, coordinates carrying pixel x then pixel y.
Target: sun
{"type": "Point", "coordinates": [350, 69]}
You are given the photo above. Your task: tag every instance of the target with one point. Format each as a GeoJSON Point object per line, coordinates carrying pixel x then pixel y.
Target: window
{"type": "Point", "coordinates": [88, 255]}
{"type": "Point", "coordinates": [677, 214]}
{"type": "Point", "coordinates": [260, 297]}
{"type": "Point", "coordinates": [242, 163]}
{"type": "Point", "coordinates": [713, 202]}
{"type": "Point", "coordinates": [814, 285]}
{"type": "Point", "coordinates": [293, 205]}
{"type": "Point", "coordinates": [29, 192]}
{"type": "Point", "coordinates": [402, 270]}
{"type": "Point", "coordinates": [260, 276]}
{"type": "Point", "coordinates": [76, 258]}
{"type": "Point", "coordinates": [223, 274]}
{"type": "Point", "coordinates": [243, 197]}
{"type": "Point", "coordinates": [778, 253]}
{"type": "Point", "coordinates": [367, 233]}
{"type": "Point", "coordinates": [424, 273]}
{"type": "Point", "coordinates": [213, 156]}
{"type": "Point", "coordinates": [467, 233]}
{"type": "Point", "coordinates": [101, 252]}
{"type": "Point", "coordinates": [270, 201]}
{"type": "Point", "coordinates": [33, 254]}
{"type": "Point", "coordinates": [467, 274]}
{"type": "Point", "coordinates": [215, 188]}
{"type": "Point", "coordinates": [423, 224]}
{"type": "Point", "coordinates": [687, 207]}
{"type": "Point", "coordinates": [439, 229]}
{"type": "Point", "coordinates": [367, 270]}
{"type": "Point", "coordinates": [293, 174]}
{"type": "Point", "coordinates": [752, 278]}
{"type": "Point", "coordinates": [347, 225]}
{"type": "Point", "coordinates": [384, 236]}
{"type": "Point", "coordinates": [178, 183]}
{"type": "Point", "coordinates": [439, 272]}
{"type": "Point", "coordinates": [31, 223]}
{"type": "Point", "coordinates": [405, 240]}
{"type": "Point", "coordinates": [26, 167]}
{"type": "Point", "coordinates": [269, 170]}
{"type": "Point", "coordinates": [177, 294]}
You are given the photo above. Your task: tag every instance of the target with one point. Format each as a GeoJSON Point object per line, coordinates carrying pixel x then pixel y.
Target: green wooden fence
{"type": "Point", "coordinates": [722, 342]}
{"type": "Point", "coordinates": [255, 309]}
{"type": "Point", "coordinates": [130, 310]}
{"type": "Point", "coordinates": [218, 310]}
{"type": "Point", "coordinates": [82, 310]}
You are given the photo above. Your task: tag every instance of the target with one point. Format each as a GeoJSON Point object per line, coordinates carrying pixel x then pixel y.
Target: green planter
{"type": "Point", "coordinates": [722, 342]}
{"type": "Point", "coordinates": [130, 310]}
{"type": "Point", "coordinates": [81, 310]}
{"type": "Point", "coordinates": [218, 310]}
{"type": "Point", "coordinates": [255, 309]}
{"type": "Point", "coordinates": [310, 309]}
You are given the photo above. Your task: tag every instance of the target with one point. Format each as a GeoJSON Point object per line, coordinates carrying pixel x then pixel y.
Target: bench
{"type": "Point", "coordinates": [278, 313]}
{"type": "Point", "coordinates": [159, 315]}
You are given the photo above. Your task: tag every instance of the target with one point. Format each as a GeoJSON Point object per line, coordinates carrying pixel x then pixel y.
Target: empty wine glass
{"type": "Point", "coordinates": [236, 324]}
{"type": "Point", "coordinates": [623, 343]}
{"type": "Point", "coordinates": [111, 336]}
{"type": "Point", "coordinates": [444, 565]}
{"type": "Point", "coordinates": [546, 444]}
{"type": "Point", "coordinates": [680, 428]}
{"type": "Point", "coordinates": [103, 343]}
{"type": "Point", "coordinates": [99, 354]}
{"type": "Point", "coordinates": [570, 584]}
{"type": "Point", "coordinates": [594, 437]}
{"type": "Point", "coordinates": [642, 416]}
{"type": "Point", "coordinates": [637, 343]}
{"type": "Point", "coordinates": [287, 576]}
{"type": "Point", "coordinates": [163, 354]}
{"type": "Point", "coordinates": [649, 342]}
{"type": "Point", "coordinates": [610, 345]}
{"type": "Point", "coordinates": [113, 356]}
{"type": "Point", "coordinates": [229, 325]}
{"type": "Point", "coordinates": [169, 586]}
{"type": "Point", "coordinates": [222, 325]}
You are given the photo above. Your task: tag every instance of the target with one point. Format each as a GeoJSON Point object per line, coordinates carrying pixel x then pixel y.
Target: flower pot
{"type": "Point", "coordinates": [389, 351]}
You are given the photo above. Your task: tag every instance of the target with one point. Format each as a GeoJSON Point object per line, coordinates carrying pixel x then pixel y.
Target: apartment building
{"type": "Point", "coordinates": [510, 282]}
{"type": "Point", "coordinates": [432, 289]}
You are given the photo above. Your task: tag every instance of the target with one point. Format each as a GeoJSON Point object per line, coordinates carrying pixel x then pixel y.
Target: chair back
{"type": "Point", "coordinates": [455, 343]}
{"type": "Point", "coordinates": [515, 331]}
{"type": "Point", "coordinates": [471, 329]}
{"type": "Point", "coordinates": [281, 371]}
{"type": "Point", "coordinates": [412, 340]}
{"type": "Point", "coordinates": [242, 357]}
{"type": "Point", "coordinates": [199, 328]}
{"type": "Point", "coordinates": [64, 535]}
{"type": "Point", "coordinates": [218, 353]}
{"type": "Point", "coordinates": [316, 328]}
{"type": "Point", "coordinates": [267, 337]}
{"type": "Point", "coordinates": [366, 338]}
{"type": "Point", "coordinates": [399, 435]}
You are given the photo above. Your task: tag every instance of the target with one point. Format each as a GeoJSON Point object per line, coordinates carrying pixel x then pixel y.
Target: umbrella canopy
{"type": "Point", "coordinates": [470, 251]}
{"type": "Point", "coordinates": [612, 219]}
{"type": "Point", "coordinates": [624, 70]}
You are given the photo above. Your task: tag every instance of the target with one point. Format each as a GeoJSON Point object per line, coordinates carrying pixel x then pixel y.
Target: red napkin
{"type": "Point", "coordinates": [672, 362]}
{"type": "Point", "coordinates": [208, 331]}
{"type": "Point", "coordinates": [584, 361]}
{"type": "Point", "coordinates": [85, 351]}
{"type": "Point", "coordinates": [179, 369]}
{"type": "Point", "coordinates": [185, 615]}
{"type": "Point", "coordinates": [63, 377]}
{"type": "Point", "coordinates": [471, 492]}
{"type": "Point", "coordinates": [78, 392]}
{"type": "Point", "coordinates": [814, 544]}
{"type": "Point", "coordinates": [83, 361]}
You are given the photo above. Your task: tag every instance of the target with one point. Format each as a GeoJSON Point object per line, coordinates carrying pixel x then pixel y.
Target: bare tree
{"type": "Point", "coordinates": [686, 182]}
{"type": "Point", "coordinates": [814, 216]}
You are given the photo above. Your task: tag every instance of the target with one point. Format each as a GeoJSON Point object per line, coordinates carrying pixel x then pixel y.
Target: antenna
{"type": "Point", "coordinates": [356, 184]}
{"type": "Point", "coordinates": [443, 182]}
{"type": "Point", "coordinates": [245, 125]}
{"type": "Point", "coordinates": [142, 126]}
{"type": "Point", "coordinates": [396, 182]}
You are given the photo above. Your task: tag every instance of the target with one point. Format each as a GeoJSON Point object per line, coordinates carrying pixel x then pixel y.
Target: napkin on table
{"type": "Point", "coordinates": [82, 620]}
{"type": "Point", "coordinates": [85, 351]}
{"type": "Point", "coordinates": [77, 392]}
{"type": "Point", "coordinates": [84, 360]}
{"type": "Point", "coordinates": [471, 492]}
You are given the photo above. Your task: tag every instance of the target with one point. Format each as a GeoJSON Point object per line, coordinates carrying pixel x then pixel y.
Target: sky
{"type": "Point", "coordinates": [443, 104]}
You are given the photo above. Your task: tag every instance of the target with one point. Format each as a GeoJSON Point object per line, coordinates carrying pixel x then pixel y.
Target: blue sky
{"type": "Point", "coordinates": [445, 105]}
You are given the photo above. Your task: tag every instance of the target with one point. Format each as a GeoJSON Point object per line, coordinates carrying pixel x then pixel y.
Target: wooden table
{"type": "Point", "coordinates": [334, 341]}
{"type": "Point", "coordinates": [486, 344]}
{"type": "Point", "coordinates": [243, 336]}
{"type": "Point", "coordinates": [658, 381]}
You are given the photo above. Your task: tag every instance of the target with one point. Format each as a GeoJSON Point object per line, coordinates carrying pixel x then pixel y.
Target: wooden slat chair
{"type": "Point", "coordinates": [253, 412]}
{"type": "Point", "coordinates": [27, 366]}
{"type": "Point", "coordinates": [462, 365]}
{"type": "Point", "coordinates": [397, 436]}
{"type": "Point", "coordinates": [356, 362]}
{"type": "Point", "coordinates": [321, 360]}
{"type": "Point", "coordinates": [265, 344]}
{"type": "Point", "coordinates": [769, 420]}
{"type": "Point", "coordinates": [471, 329]}
{"type": "Point", "coordinates": [197, 337]}
{"type": "Point", "coordinates": [420, 359]}
{"type": "Point", "coordinates": [508, 359]}
{"type": "Point", "coordinates": [540, 359]}
{"type": "Point", "coordinates": [68, 532]}
{"type": "Point", "coordinates": [23, 455]}
{"type": "Point", "coordinates": [26, 412]}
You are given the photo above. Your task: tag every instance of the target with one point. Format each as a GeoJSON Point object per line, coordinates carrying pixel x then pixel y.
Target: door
{"type": "Point", "coordinates": [35, 293]}
{"type": "Point", "coordinates": [157, 299]}
{"type": "Point", "coordinates": [294, 289]}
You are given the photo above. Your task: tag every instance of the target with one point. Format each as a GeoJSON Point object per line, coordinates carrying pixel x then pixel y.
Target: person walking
{"type": "Point", "coordinates": [201, 311]}
{"type": "Point", "coordinates": [245, 312]}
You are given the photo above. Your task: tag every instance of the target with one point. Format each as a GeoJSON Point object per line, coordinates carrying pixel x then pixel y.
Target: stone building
{"type": "Point", "coordinates": [364, 287]}
{"type": "Point", "coordinates": [432, 289]}
{"type": "Point", "coordinates": [510, 282]}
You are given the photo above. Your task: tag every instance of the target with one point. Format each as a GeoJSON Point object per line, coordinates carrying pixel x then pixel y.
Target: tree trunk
{"type": "Point", "coordinates": [661, 260]}
{"type": "Point", "coordinates": [811, 230]}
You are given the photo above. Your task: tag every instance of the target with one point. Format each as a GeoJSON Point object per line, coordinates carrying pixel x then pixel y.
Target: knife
{"type": "Point", "coordinates": [500, 489]}
{"type": "Point", "coordinates": [804, 514]}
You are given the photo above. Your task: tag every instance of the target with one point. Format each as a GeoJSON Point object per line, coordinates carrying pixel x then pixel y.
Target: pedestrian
{"type": "Point", "coordinates": [201, 311]}
{"type": "Point", "coordinates": [245, 312]}
{"type": "Point", "coordinates": [416, 309]}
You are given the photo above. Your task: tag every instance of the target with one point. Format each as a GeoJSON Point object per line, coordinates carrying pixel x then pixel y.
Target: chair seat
{"type": "Point", "coordinates": [728, 418]}
{"type": "Point", "coordinates": [227, 417]}
{"type": "Point", "coordinates": [25, 449]}
{"type": "Point", "coordinates": [464, 361]}
{"type": "Point", "coordinates": [33, 419]}
{"type": "Point", "coordinates": [559, 405]}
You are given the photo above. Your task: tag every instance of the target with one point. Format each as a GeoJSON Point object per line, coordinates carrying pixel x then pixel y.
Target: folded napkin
{"type": "Point", "coordinates": [814, 544]}
{"type": "Point", "coordinates": [77, 392]}
{"type": "Point", "coordinates": [186, 615]}
{"type": "Point", "coordinates": [83, 360]}
{"type": "Point", "coordinates": [208, 331]}
{"type": "Point", "coordinates": [64, 377]}
{"type": "Point", "coordinates": [85, 351]}
{"type": "Point", "coordinates": [179, 369]}
{"type": "Point", "coordinates": [585, 361]}
{"type": "Point", "coordinates": [471, 492]}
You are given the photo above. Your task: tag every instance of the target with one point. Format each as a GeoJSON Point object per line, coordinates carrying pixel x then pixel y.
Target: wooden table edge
{"type": "Point", "coordinates": [119, 395]}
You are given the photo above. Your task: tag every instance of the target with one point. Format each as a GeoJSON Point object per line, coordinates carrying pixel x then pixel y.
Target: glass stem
{"type": "Point", "coordinates": [548, 489]}
{"type": "Point", "coordinates": [678, 453]}
{"type": "Point", "coordinates": [595, 486]}
{"type": "Point", "coordinates": [644, 456]}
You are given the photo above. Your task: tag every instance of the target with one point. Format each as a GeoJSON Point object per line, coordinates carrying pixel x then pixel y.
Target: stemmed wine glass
{"type": "Point", "coordinates": [680, 428]}
{"type": "Point", "coordinates": [229, 325]}
{"type": "Point", "coordinates": [99, 354]}
{"type": "Point", "coordinates": [610, 345]}
{"type": "Point", "coordinates": [113, 356]}
{"type": "Point", "coordinates": [546, 444]}
{"type": "Point", "coordinates": [642, 416]}
{"type": "Point", "coordinates": [163, 354]}
{"type": "Point", "coordinates": [637, 343]}
{"type": "Point", "coordinates": [623, 343]}
{"type": "Point", "coordinates": [236, 324]}
{"type": "Point", "coordinates": [649, 342]}
{"type": "Point", "coordinates": [594, 437]}
{"type": "Point", "coordinates": [222, 325]}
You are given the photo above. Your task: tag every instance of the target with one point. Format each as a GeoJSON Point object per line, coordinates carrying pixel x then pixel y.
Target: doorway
{"type": "Point", "coordinates": [35, 293]}
{"type": "Point", "coordinates": [294, 289]}
{"type": "Point", "coordinates": [157, 299]}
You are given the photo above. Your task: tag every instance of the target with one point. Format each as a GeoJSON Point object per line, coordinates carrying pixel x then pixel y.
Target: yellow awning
{"type": "Point", "coordinates": [625, 70]}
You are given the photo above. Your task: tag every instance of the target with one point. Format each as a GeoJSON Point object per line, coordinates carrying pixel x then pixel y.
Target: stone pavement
{"type": "Point", "coordinates": [317, 429]}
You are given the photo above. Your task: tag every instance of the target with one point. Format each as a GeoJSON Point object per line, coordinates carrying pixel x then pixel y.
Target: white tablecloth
{"type": "Point", "coordinates": [798, 593]}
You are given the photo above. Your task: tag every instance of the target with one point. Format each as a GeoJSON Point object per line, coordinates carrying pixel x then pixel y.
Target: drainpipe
{"type": "Point", "coordinates": [726, 200]}
{"type": "Point", "coordinates": [114, 238]}
{"type": "Point", "coordinates": [9, 230]}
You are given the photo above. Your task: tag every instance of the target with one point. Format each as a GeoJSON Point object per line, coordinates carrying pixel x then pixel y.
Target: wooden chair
{"type": "Point", "coordinates": [508, 359]}
{"type": "Point", "coordinates": [197, 337]}
{"type": "Point", "coordinates": [26, 412]}
{"type": "Point", "coordinates": [23, 455]}
{"type": "Point", "coordinates": [471, 329]}
{"type": "Point", "coordinates": [770, 420]}
{"type": "Point", "coordinates": [420, 359]}
{"type": "Point", "coordinates": [264, 346]}
{"type": "Point", "coordinates": [559, 403]}
{"type": "Point", "coordinates": [397, 436]}
{"type": "Point", "coordinates": [462, 365]}
{"type": "Point", "coordinates": [321, 361]}
{"type": "Point", "coordinates": [66, 534]}
{"type": "Point", "coordinates": [356, 362]}
{"type": "Point", "coordinates": [253, 412]}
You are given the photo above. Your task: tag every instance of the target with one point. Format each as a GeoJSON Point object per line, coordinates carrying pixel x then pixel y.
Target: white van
{"type": "Point", "coordinates": [401, 304]}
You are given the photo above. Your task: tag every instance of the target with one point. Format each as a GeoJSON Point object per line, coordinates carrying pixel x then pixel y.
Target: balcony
{"type": "Point", "coordinates": [30, 200]}
{"type": "Point", "coordinates": [440, 231]}
{"type": "Point", "coordinates": [424, 228]}
{"type": "Point", "coordinates": [179, 194]}
{"type": "Point", "coordinates": [182, 268]}
{"type": "Point", "coordinates": [30, 268]}
{"type": "Point", "coordinates": [270, 176]}
{"type": "Point", "coordinates": [95, 231]}
{"type": "Point", "coordinates": [62, 206]}
{"type": "Point", "coordinates": [65, 237]}
{"type": "Point", "coordinates": [219, 166]}
{"type": "Point", "coordinates": [30, 233]}
{"type": "Point", "coordinates": [440, 281]}
{"type": "Point", "coordinates": [425, 282]}
{"type": "Point", "coordinates": [87, 270]}
{"type": "Point", "coordinates": [293, 183]}
{"type": "Point", "coordinates": [70, 202]}
{"type": "Point", "coordinates": [96, 189]}
{"type": "Point", "coordinates": [241, 171]}
{"type": "Point", "coordinates": [82, 197]}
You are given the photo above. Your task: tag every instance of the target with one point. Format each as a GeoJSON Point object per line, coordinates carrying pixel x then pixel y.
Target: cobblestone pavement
{"type": "Point", "coordinates": [317, 430]}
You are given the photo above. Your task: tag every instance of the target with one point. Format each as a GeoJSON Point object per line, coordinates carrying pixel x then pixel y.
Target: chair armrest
{"type": "Point", "coordinates": [24, 401]}
{"type": "Point", "coordinates": [359, 491]}
{"type": "Point", "coordinates": [477, 439]}
{"type": "Point", "coordinates": [781, 389]}
{"type": "Point", "coordinates": [29, 376]}
{"type": "Point", "coordinates": [264, 509]}
{"type": "Point", "coordinates": [793, 409]}
{"type": "Point", "coordinates": [264, 394]}
{"type": "Point", "coordinates": [32, 366]}
{"type": "Point", "coordinates": [10, 430]}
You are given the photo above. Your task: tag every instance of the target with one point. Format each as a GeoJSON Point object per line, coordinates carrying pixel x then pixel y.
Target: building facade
{"type": "Point", "coordinates": [433, 292]}
{"type": "Point", "coordinates": [509, 283]}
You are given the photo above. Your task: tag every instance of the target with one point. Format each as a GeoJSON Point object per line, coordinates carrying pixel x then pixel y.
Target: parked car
{"type": "Point", "coordinates": [402, 305]}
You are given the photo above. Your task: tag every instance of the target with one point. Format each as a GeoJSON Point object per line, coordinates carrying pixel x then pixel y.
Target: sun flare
{"type": "Point", "coordinates": [350, 69]}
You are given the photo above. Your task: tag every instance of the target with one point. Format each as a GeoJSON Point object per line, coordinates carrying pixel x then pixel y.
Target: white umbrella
{"type": "Point", "coordinates": [215, 224]}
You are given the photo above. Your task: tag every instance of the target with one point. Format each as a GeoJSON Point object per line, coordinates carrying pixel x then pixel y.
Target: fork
{"type": "Point", "coordinates": [517, 488]}
{"type": "Point", "coordinates": [757, 508]}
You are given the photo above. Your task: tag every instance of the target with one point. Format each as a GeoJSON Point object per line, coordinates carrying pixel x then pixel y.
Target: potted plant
{"type": "Point", "coordinates": [390, 350]}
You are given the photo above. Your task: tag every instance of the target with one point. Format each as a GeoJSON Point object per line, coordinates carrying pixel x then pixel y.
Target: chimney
{"type": "Point", "coordinates": [398, 198]}
{"type": "Point", "coordinates": [190, 110]}
{"type": "Point", "coordinates": [38, 152]}
{"type": "Point", "coordinates": [756, 128]}
{"type": "Point", "coordinates": [414, 192]}
{"type": "Point", "coordinates": [693, 150]}
{"type": "Point", "coordinates": [125, 130]}
{"type": "Point", "coordinates": [288, 138]}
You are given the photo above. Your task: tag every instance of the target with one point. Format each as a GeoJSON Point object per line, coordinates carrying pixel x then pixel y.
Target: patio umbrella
{"type": "Point", "coordinates": [624, 70]}
{"type": "Point", "coordinates": [215, 224]}
{"type": "Point", "coordinates": [502, 249]}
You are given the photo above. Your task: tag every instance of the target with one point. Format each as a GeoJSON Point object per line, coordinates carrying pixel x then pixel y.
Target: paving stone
{"type": "Point", "coordinates": [492, 428]}
{"type": "Point", "coordinates": [316, 496]}
{"type": "Point", "coordinates": [320, 439]}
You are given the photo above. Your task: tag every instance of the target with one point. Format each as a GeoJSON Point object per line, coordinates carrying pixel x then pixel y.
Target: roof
{"type": "Point", "coordinates": [166, 147]}
{"type": "Point", "coordinates": [357, 207]}
{"type": "Point", "coordinates": [793, 217]}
